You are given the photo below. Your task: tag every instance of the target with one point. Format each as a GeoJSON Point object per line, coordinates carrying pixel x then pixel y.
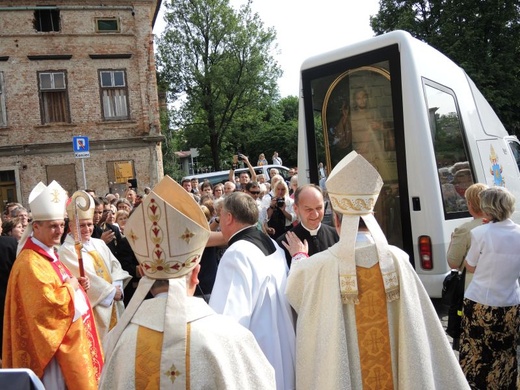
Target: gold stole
{"type": "Point", "coordinates": [372, 329]}
{"type": "Point", "coordinates": [148, 358]}
{"type": "Point", "coordinates": [102, 271]}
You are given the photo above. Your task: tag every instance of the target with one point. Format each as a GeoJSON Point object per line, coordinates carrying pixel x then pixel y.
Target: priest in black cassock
{"type": "Point", "coordinates": [310, 209]}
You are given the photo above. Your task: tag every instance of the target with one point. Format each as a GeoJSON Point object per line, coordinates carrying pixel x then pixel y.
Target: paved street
{"type": "Point", "coordinates": [442, 312]}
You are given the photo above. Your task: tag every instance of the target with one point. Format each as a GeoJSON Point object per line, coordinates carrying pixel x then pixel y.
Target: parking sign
{"type": "Point", "coordinates": [80, 147]}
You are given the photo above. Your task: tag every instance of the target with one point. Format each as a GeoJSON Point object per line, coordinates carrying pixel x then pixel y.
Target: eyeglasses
{"type": "Point", "coordinates": [108, 211]}
{"type": "Point", "coordinates": [255, 192]}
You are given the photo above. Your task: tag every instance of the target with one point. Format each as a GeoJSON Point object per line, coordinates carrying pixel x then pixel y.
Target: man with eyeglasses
{"type": "Point", "coordinates": [253, 190]}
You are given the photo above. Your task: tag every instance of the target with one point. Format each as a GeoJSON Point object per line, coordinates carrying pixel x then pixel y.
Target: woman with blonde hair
{"type": "Point", "coordinates": [490, 318]}
{"type": "Point", "coordinates": [279, 214]}
{"type": "Point", "coordinates": [459, 246]}
{"type": "Point", "coordinates": [261, 160]}
{"type": "Point", "coordinates": [121, 218]}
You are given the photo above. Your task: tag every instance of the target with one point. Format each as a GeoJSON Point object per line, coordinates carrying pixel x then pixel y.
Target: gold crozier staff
{"type": "Point", "coordinates": [77, 199]}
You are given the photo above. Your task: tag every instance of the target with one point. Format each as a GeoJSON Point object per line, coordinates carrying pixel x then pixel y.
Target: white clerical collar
{"type": "Point", "coordinates": [312, 232]}
{"type": "Point", "coordinates": [48, 249]}
{"type": "Point", "coordinates": [238, 231]}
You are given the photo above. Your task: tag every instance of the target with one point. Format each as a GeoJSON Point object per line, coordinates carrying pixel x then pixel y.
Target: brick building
{"type": "Point", "coordinates": [78, 68]}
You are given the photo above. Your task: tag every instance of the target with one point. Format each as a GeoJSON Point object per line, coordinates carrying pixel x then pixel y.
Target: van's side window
{"type": "Point", "coordinates": [515, 149]}
{"type": "Point", "coordinates": [453, 165]}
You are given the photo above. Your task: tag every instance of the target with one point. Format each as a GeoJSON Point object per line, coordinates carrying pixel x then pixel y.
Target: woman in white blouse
{"type": "Point", "coordinates": [490, 319]}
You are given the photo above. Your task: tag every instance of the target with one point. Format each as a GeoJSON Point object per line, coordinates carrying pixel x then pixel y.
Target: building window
{"type": "Point", "coordinates": [54, 102]}
{"type": "Point", "coordinates": [46, 20]}
{"type": "Point", "coordinates": [3, 112]}
{"type": "Point", "coordinates": [107, 25]}
{"type": "Point", "coordinates": [114, 94]}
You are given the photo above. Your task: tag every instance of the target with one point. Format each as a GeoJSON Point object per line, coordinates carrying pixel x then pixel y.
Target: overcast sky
{"type": "Point", "coordinates": [306, 28]}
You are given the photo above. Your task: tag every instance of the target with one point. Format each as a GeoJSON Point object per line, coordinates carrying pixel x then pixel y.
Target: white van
{"type": "Point", "coordinates": [421, 121]}
{"type": "Point", "coordinates": [223, 176]}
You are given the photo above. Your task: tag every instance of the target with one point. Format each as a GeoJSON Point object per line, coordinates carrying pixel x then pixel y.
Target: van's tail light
{"type": "Point", "coordinates": [425, 252]}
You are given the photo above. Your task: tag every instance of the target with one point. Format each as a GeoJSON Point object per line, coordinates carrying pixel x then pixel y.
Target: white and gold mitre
{"type": "Point", "coordinates": [47, 203]}
{"type": "Point", "coordinates": [354, 185]}
{"type": "Point", "coordinates": [167, 231]}
{"type": "Point", "coordinates": [82, 205]}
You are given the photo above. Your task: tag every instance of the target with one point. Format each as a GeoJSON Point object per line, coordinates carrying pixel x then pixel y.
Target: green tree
{"type": "Point", "coordinates": [483, 37]}
{"type": "Point", "coordinates": [173, 140]}
{"type": "Point", "coordinates": [277, 131]}
{"type": "Point", "coordinates": [220, 73]}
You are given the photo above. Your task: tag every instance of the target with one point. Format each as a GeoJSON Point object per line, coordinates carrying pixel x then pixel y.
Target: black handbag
{"type": "Point", "coordinates": [453, 296]}
{"type": "Point", "coordinates": [453, 287]}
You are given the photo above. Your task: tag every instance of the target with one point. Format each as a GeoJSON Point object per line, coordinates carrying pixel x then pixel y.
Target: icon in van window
{"type": "Point", "coordinates": [357, 115]}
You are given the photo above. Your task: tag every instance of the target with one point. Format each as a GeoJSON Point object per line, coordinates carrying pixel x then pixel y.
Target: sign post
{"type": "Point", "coordinates": [81, 150]}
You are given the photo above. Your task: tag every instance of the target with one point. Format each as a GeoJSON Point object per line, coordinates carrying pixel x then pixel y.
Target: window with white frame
{"type": "Point", "coordinates": [107, 25]}
{"type": "Point", "coordinates": [114, 94]}
{"type": "Point", "coordinates": [54, 101]}
{"type": "Point", "coordinates": [3, 112]}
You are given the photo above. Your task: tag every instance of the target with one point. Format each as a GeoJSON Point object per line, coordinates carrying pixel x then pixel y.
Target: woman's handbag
{"type": "Point", "coordinates": [453, 296]}
{"type": "Point", "coordinates": [453, 287]}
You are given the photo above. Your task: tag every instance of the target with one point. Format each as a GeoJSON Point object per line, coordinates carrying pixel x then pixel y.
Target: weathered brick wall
{"type": "Point", "coordinates": [25, 142]}
{"type": "Point", "coordinates": [34, 169]}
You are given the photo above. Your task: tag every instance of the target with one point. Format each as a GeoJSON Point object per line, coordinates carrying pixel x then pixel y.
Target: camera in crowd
{"type": "Point", "coordinates": [240, 157]}
{"type": "Point", "coordinates": [280, 202]}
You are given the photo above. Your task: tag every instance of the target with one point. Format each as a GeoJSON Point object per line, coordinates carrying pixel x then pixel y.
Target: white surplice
{"type": "Point", "coordinates": [250, 288]}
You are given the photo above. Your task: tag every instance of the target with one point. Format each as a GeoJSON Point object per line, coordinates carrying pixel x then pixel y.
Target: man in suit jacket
{"type": "Point", "coordinates": [107, 232]}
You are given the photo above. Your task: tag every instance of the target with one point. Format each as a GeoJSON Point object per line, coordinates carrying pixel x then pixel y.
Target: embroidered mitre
{"type": "Point", "coordinates": [47, 203]}
{"type": "Point", "coordinates": [353, 187]}
{"type": "Point", "coordinates": [168, 232]}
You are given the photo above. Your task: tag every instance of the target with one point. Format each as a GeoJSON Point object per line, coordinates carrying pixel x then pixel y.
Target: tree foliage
{"type": "Point", "coordinates": [483, 37]}
{"type": "Point", "coordinates": [277, 132]}
{"type": "Point", "coordinates": [220, 73]}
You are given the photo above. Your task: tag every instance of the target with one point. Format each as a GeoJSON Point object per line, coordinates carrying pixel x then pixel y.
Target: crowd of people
{"type": "Point", "coordinates": [242, 285]}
